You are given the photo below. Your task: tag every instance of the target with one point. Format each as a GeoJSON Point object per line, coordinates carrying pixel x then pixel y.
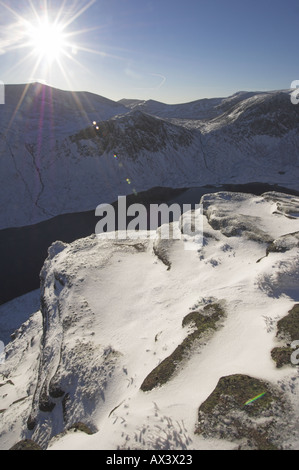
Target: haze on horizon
{"type": "Point", "coordinates": [169, 51]}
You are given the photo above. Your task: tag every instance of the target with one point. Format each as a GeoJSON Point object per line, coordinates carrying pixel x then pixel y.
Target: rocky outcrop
{"type": "Point", "coordinates": [134, 133]}
{"type": "Point", "coordinates": [245, 410]}
{"type": "Point", "coordinates": [68, 370]}
{"type": "Point", "coordinates": [204, 322]}
{"type": "Point", "coordinates": [139, 337]}
{"type": "Point", "coordinates": [233, 224]}
{"type": "Point", "coordinates": [27, 444]}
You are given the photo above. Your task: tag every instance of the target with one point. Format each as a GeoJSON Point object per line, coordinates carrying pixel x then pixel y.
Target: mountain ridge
{"type": "Point", "coordinates": [64, 155]}
{"type": "Point", "coordinates": [143, 343]}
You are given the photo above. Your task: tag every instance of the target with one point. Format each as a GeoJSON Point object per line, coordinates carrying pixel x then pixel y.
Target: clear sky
{"type": "Point", "coordinates": [168, 50]}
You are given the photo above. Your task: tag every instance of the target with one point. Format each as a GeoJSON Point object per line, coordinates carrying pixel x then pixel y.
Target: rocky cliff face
{"type": "Point", "coordinates": [71, 365]}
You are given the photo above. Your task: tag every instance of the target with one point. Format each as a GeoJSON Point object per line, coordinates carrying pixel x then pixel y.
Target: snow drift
{"type": "Point", "coordinates": [111, 312]}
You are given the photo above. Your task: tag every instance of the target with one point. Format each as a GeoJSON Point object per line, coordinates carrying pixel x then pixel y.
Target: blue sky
{"type": "Point", "coordinates": [167, 50]}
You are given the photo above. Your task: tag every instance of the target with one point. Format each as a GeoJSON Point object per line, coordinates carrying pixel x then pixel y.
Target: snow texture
{"type": "Point", "coordinates": [112, 310]}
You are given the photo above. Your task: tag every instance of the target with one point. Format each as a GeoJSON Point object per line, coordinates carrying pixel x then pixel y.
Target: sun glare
{"type": "Point", "coordinates": [48, 36]}
{"type": "Point", "coordinates": [47, 40]}
{"type": "Point", "coordinates": [50, 43]}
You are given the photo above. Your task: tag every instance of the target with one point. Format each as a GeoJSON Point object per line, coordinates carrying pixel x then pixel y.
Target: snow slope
{"type": "Point", "coordinates": [112, 311]}
{"type": "Point", "coordinates": [63, 152]}
{"type": "Point", "coordinates": [16, 312]}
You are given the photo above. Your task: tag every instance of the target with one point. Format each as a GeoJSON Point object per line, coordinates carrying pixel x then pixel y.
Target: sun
{"type": "Point", "coordinates": [52, 49]}
{"type": "Point", "coordinates": [47, 33]}
{"type": "Point", "coordinates": [47, 40]}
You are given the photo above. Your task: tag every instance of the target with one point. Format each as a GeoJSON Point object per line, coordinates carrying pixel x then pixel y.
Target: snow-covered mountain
{"type": "Point", "coordinates": [141, 344]}
{"type": "Point", "coordinates": [65, 152]}
{"type": "Point", "coordinates": [138, 343]}
{"type": "Point", "coordinates": [207, 108]}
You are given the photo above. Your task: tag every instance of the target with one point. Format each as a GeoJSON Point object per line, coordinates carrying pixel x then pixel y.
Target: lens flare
{"type": "Point", "coordinates": [48, 36]}
{"type": "Point", "coordinates": [255, 398]}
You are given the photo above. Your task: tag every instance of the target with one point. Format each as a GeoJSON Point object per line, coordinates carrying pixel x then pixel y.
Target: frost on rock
{"type": "Point", "coordinates": [282, 278]}
{"type": "Point", "coordinates": [286, 204]}
{"type": "Point", "coordinates": [284, 243]}
{"type": "Point", "coordinates": [56, 248]}
{"type": "Point", "coordinates": [74, 371]}
{"type": "Point", "coordinates": [232, 223]}
{"type": "Point", "coordinates": [116, 334]}
{"type": "Point", "coordinates": [228, 413]}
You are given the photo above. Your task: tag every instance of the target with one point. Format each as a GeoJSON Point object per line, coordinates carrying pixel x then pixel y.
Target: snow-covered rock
{"type": "Point", "coordinates": [113, 310]}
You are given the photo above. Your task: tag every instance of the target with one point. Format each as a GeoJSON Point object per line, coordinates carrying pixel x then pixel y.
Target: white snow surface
{"type": "Point", "coordinates": [112, 311]}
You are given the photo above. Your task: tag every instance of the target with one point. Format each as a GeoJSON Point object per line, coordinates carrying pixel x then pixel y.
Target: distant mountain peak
{"type": "Point", "coordinates": [57, 147]}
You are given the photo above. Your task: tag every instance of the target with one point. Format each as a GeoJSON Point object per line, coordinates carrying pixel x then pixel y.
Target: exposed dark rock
{"type": "Point", "coordinates": [81, 427]}
{"type": "Point", "coordinates": [288, 326]}
{"type": "Point", "coordinates": [204, 321]}
{"type": "Point", "coordinates": [229, 413]}
{"type": "Point", "coordinates": [31, 423]}
{"type": "Point", "coordinates": [282, 356]}
{"type": "Point", "coordinates": [287, 331]}
{"type": "Point", "coordinates": [27, 444]}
